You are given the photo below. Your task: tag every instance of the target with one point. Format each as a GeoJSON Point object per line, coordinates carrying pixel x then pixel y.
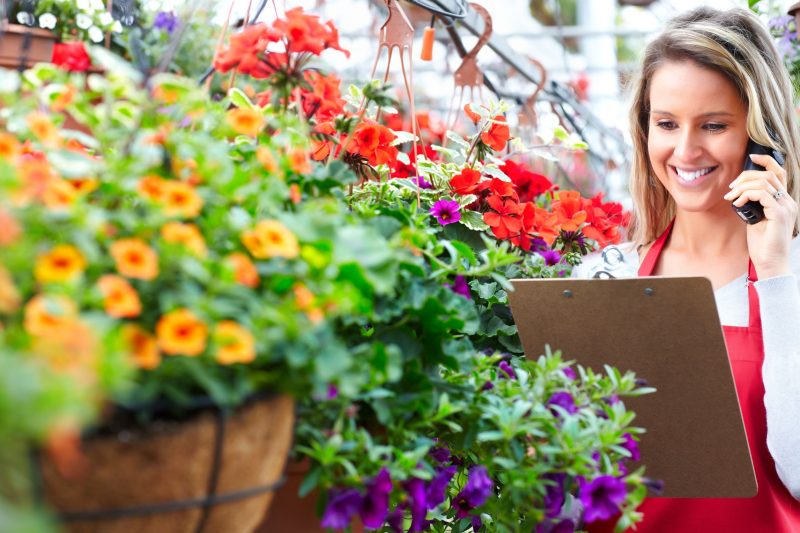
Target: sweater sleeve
{"type": "Point", "coordinates": [779, 300]}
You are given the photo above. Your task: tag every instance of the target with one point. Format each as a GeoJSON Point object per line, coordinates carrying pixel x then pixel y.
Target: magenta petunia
{"type": "Point", "coordinates": [446, 211]}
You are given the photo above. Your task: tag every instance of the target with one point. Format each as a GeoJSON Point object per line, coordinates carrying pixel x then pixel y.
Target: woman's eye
{"type": "Point", "coordinates": [715, 127]}
{"type": "Point", "coordinates": [666, 124]}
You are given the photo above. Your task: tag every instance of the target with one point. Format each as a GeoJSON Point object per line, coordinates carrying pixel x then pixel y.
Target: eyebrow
{"type": "Point", "coordinates": [709, 114]}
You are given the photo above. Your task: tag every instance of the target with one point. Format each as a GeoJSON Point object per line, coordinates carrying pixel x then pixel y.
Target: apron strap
{"type": "Point", "coordinates": [649, 264]}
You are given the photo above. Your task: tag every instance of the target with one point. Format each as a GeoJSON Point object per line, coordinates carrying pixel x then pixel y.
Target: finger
{"type": "Point", "coordinates": [758, 195]}
{"type": "Point", "coordinates": [769, 163]}
{"type": "Point", "coordinates": [737, 192]}
{"type": "Point", "coordinates": [758, 176]}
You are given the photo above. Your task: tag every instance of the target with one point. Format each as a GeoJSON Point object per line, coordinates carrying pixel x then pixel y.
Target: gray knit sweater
{"type": "Point", "coordinates": [779, 300]}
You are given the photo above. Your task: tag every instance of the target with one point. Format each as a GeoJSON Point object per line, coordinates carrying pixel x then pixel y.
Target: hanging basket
{"type": "Point", "coordinates": [211, 474]}
{"type": "Point", "coordinates": [22, 47]}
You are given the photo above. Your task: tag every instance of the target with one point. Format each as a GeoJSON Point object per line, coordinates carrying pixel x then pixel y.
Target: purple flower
{"type": "Point", "coordinates": [375, 505]}
{"type": "Point", "coordinates": [437, 489]}
{"type": "Point", "coordinates": [538, 244]}
{"type": "Point", "coordinates": [476, 522]}
{"type": "Point", "coordinates": [612, 400]}
{"type": "Point", "coordinates": [629, 444]}
{"type": "Point", "coordinates": [564, 526]}
{"type": "Point", "coordinates": [440, 454]}
{"type": "Point", "coordinates": [506, 371]}
{"type": "Point", "coordinates": [395, 520]}
{"type": "Point", "coordinates": [478, 488]}
{"type": "Point", "coordinates": [446, 211]}
{"type": "Point", "coordinates": [488, 386]}
{"type": "Point", "coordinates": [459, 285]}
{"type": "Point", "coordinates": [563, 400]}
{"type": "Point", "coordinates": [421, 182]}
{"type": "Point", "coordinates": [342, 505]}
{"type": "Point", "coordinates": [551, 257]}
{"type": "Point", "coordinates": [601, 497]}
{"type": "Point", "coordinates": [655, 486]}
{"type": "Point", "coordinates": [333, 392]}
{"type": "Point", "coordinates": [417, 498]}
{"type": "Point", "coordinates": [165, 21]}
{"type": "Point", "coordinates": [554, 497]}
{"type": "Point", "coordinates": [569, 372]}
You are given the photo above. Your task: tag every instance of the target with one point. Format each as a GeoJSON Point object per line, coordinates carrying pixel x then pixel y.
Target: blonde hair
{"type": "Point", "coordinates": [735, 44]}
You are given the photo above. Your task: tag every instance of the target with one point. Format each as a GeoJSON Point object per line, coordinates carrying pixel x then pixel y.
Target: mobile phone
{"type": "Point", "coordinates": [753, 212]}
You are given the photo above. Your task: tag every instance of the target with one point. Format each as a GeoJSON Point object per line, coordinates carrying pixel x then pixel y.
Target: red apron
{"type": "Point", "coordinates": [773, 509]}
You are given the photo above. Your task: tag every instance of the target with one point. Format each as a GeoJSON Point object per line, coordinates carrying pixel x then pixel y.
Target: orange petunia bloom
{"type": "Point", "coordinates": [120, 299]}
{"type": "Point", "coordinates": [298, 161]}
{"type": "Point", "coordinates": [498, 134]}
{"type": "Point", "coordinates": [180, 332]}
{"type": "Point", "coordinates": [270, 238]}
{"type": "Point", "coordinates": [10, 298]}
{"type": "Point", "coordinates": [180, 199]}
{"type": "Point", "coordinates": [10, 229]}
{"type": "Point", "coordinates": [43, 128]}
{"type": "Point", "coordinates": [245, 121]}
{"type": "Point", "coordinates": [62, 263]}
{"type": "Point", "coordinates": [83, 185]}
{"type": "Point", "coordinates": [244, 271]}
{"type": "Point", "coordinates": [63, 99]}
{"type": "Point", "coordinates": [10, 147]}
{"type": "Point", "coordinates": [152, 187]}
{"type": "Point", "coordinates": [134, 259]}
{"type": "Point", "coordinates": [34, 175]}
{"type": "Point", "coordinates": [187, 235]}
{"type": "Point", "coordinates": [266, 159]}
{"type": "Point", "coordinates": [234, 343]}
{"type": "Point", "coordinates": [142, 345]}
{"type": "Point", "coordinates": [59, 194]}
{"type": "Point", "coordinates": [295, 195]}
{"type": "Point", "coordinates": [303, 296]}
{"type": "Point", "coordinates": [466, 182]}
{"type": "Point", "coordinates": [71, 348]}
{"type": "Point", "coordinates": [568, 210]}
{"type": "Point", "coordinates": [45, 314]}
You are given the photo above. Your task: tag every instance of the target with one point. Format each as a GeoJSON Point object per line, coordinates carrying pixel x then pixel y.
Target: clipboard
{"type": "Point", "coordinates": [667, 331]}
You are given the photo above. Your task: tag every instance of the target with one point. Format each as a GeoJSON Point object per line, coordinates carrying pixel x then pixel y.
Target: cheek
{"type": "Point", "coordinates": [658, 150]}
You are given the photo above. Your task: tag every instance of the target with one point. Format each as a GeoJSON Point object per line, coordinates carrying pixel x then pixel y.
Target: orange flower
{"type": "Point", "coordinates": [568, 209]}
{"type": "Point", "coordinates": [180, 199]}
{"type": "Point", "coordinates": [244, 270]}
{"type": "Point", "coordinates": [498, 134]}
{"type": "Point", "coordinates": [152, 187]}
{"type": "Point", "coordinates": [47, 314]}
{"type": "Point", "coordinates": [179, 332]}
{"type": "Point", "coordinates": [373, 142]}
{"type": "Point", "coordinates": [121, 299]}
{"type": "Point", "coordinates": [267, 160]}
{"type": "Point", "coordinates": [9, 228]}
{"type": "Point", "coordinates": [294, 193]}
{"type": "Point", "coordinates": [63, 446]}
{"type": "Point", "coordinates": [142, 345]}
{"type": "Point", "coordinates": [71, 348]}
{"type": "Point", "coordinates": [9, 146]}
{"type": "Point", "coordinates": [234, 343]}
{"type": "Point", "coordinates": [163, 94]}
{"type": "Point", "coordinates": [83, 185]}
{"type": "Point", "coordinates": [34, 175]}
{"type": "Point", "coordinates": [63, 263]}
{"type": "Point", "coordinates": [245, 121]}
{"type": "Point", "coordinates": [298, 161]}
{"type": "Point", "coordinates": [9, 295]}
{"type": "Point", "coordinates": [43, 128]}
{"type": "Point", "coordinates": [269, 239]}
{"type": "Point", "coordinates": [187, 235]}
{"type": "Point", "coordinates": [135, 259]}
{"type": "Point", "coordinates": [473, 116]}
{"type": "Point", "coordinates": [59, 194]}
{"type": "Point", "coordinates": [303, 296]}
{"type": "Point", "coordinates": [63, 99]}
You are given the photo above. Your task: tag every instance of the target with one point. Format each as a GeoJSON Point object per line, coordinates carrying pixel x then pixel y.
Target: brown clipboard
{"type": "Point", "coordinates": [667, 331]}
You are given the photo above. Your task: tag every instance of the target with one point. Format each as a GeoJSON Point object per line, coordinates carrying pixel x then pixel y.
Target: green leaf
{"type": "Point", "coordinates": [310, 482]}
{"type": "Point", "coordinates": [239, 99]}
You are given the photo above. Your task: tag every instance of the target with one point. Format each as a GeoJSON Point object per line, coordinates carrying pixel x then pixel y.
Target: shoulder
{"type": "Point", "coordinates": [607, 260]}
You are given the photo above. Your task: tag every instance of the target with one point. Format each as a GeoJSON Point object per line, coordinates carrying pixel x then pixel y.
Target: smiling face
{"type": "Point", "coordinates": [697, 135]}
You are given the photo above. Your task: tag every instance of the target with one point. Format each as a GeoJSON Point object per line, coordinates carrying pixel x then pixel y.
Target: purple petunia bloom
{"type": "Point", "coordinates": [612, 400]}
{"type": "Point", "coordinates": [395, 520]}
{"type": "Point", "coordinates": [165, 21]}
{"type": "Point", "coordinates": [333, 392]}
{"type": "Point", "coordinates": [417, 499]}
{"type": "Point", "coordinates": [478, 488]}
{"type": "Point", "coordinates": [421, 182]}
{"type": "Point", "coordinates": [488, 386]}
{"type": "Point", "coordinates": [446, 211]}
{"type": "Point", "coordinates": [440, 454]}
{"type": "Point", "coordinates": [551, 257]}
{"type": "Point", "coordinates": [569, 372]}
{"type": "Point", "coordinates": [563, 400]}
{"type": "Point", "coordinates": [554, 497]}
{"type": "Point", "coordinates": [476, 522]}
{"type": "Point", "coordinates": [564, 526]}
{"type": "Point", "coordinates": [436, 491]}
{"type": "Point", "coordinates": [375, 506]}
{"type": "Point", "coordinates": [601, 497]}
{"type": "Point", "coordinates": [459, 286]}
{"type": "Point", "coordinates": [342, 506]}
{"type": "Point", "coordinates": [629, 444]}
{"type": "Point", "coordinates": [506, 372]}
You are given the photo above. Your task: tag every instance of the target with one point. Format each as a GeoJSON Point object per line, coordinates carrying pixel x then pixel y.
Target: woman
{"type": "Point", "coordinates": [708, 84]}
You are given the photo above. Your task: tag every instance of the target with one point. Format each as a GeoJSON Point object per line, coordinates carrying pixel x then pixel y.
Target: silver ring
{"type": "Point", "coordinates": [778, 195]}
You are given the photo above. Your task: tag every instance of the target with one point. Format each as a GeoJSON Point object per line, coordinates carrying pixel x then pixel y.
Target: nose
{"type": "Point", "coordinates": [688, 146]}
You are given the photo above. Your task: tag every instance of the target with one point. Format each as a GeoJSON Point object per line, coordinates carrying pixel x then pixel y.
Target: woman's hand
{"type": "Point", "coordinates": [767, 241]}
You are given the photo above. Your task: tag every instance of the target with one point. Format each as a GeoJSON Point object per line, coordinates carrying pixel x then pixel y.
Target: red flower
{"type": "Point", "coordinates": [373, 141]}
{"type": "Point", "coordinates": [323, 101]}
{"type": "Point", "coordinates": [321, 149]}
{"type": "Point", "coordinates": [401, 170]}
{"type": "Point", "coordinates": [473, 116]}
{"type": "Point", "coordinates": [603, 220]}
{"type": "Point", "coordinates": [244, 52]}
{"type": "Point", "coordinates": [498, 134]}
{"type": "Point", "coordinates": [498, 187]}
{"type": "Point", "coordinates": [568, 210]}
{"type": "Point", "coordinates": [466, 182]}
{"type": "Point", "coordinates": [528, 184]}
{"type": "Point", "coordinates": [505, 219]}
{"type": "Point", "coordinates": [71, 56]}
{"type": "Point", "coordinates": [304, 33]}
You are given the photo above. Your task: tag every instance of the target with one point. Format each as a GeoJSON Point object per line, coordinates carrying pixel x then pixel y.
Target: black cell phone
{"type": "Point", "coordinates": [753, 212]}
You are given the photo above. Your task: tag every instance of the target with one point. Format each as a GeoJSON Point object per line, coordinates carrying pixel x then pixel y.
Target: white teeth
{"type": "Point", "coordinates": [691, 176]}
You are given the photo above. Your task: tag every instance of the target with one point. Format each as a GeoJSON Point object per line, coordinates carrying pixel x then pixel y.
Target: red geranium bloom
{"type": "Point", "coordinates": [323, 101]}
{"type": "Point", "coordinates": [603, 220]}
{"type": "Point", "coordinates": [373, 141]}
{"type": "Point", "coordinates": [71, 56]}
{"type": "Point", "coordinates": [505, 219]}
{"type": "Point", "coordinates": [498, 134]}
{"type": "Point", "coordinates": [466, 182]}
{"type": "Point", "coordinates": [568, 210]}
{"type": "Point", "coordinates": [528, 184]}
{"type": "Point", "coordinates": [498, 187]}
{"type": "Point", "coordinates": [473, 116]}
{"type": "Point", "coordinates": [321, 149]}
{"type": "Point", "coordinates": [245, 50]}
{"type": "Point", "coordinates": [402, 170]}
{"type": "Point", "coordinates": [304, 33]}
